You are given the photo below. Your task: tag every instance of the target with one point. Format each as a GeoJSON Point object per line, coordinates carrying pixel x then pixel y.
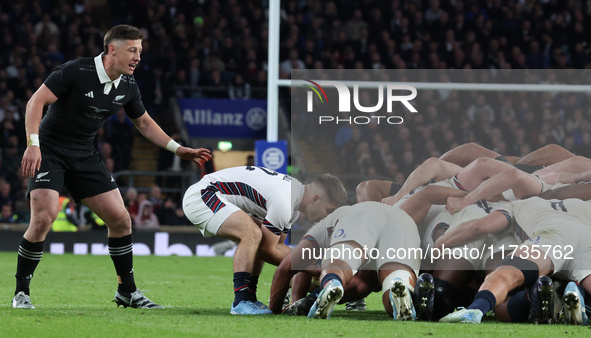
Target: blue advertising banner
{"type": "Point", "coordinates": [224, 118]}
{"type": "Point", "coordinates": [272, 155]}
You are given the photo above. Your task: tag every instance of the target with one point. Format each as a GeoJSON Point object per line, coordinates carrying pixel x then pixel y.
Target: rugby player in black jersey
{"type": "Point", "coordinates": [81, 95]}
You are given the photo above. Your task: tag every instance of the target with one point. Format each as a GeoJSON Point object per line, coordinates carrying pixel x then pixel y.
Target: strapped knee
{"type": "Point", "coordinates": [406, 277]}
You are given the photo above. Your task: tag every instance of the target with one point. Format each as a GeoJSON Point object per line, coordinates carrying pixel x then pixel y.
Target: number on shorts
{"type": "Point", "coordinates": [482, 204]}
{"type": "Point", "coordinates": [560, 204]}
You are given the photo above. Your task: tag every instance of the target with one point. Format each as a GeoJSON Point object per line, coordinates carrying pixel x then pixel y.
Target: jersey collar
{"type": "Point", "coordinates": [102, 75]}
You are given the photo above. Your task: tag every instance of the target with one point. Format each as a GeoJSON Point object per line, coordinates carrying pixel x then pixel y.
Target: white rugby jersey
{"type": "Point", "coordinates": [321, 233]}
{"type": "Point", "coordinates": [479, 210]}
{"type": "Point", "coordinates": [273, 197]}
{"type": "Point", "coordinates": [531, 212]}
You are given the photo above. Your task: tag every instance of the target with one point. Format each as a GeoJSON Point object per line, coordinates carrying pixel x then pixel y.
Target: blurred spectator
{"type": "Point", "coordinates": [146, 217]}
{"type": "Point", "coordinates": [131, 202]}
{"type": "Point", "coordinates": [6, 196]}
{"type": "Point", "coordinates": [250, 160]}
{"type": "Point", "coordinates": [239, 90]}
{"type": "Point", "coordinates": [169, 214]}
{"type": "Point", "coordinates": [12, 154]}
{"type": "Point", "coordinates": [7, 216]}
{"type": "Point", "coordinates": [156, 196]}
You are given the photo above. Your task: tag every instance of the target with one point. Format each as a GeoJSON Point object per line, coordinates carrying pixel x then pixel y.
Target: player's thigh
{"type": "Point", "coordinates": [87, 176]}
{"type": "Point", "coordinates": [464, 154]}
{"type": "Point", "coordinates": [239, 226]}
{"type": "Point", "coordinates": [208, 210]}
{"type": "Point", "coordinates": [109, 207]}
{"type": "Point", "coordinates": [546, 264]}
{"type": "Point", "coordinates": [47, 183]}
{"type": "Point", "coordinates": [375, 190]}
{"type": "Point", "coordinates": [472, 175]}
{"type": "Point", "coordinates": [399, 243]}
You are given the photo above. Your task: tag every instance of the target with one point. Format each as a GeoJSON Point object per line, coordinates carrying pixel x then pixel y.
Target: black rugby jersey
{"type": "Point", "coordinates": [83, 106]}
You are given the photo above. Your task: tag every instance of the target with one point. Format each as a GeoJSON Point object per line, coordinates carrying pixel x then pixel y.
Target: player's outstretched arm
{"type": "Point", "coordinates": [570, 178]}
{"type": "Point", "coordinates": [417, 206]}
{"type": "Point", "coordinates": [523, 185]}
{"type": "Point", "coordinates": [32, 156]}
{"type": "Point", "coordinates": [270, 249]}
{"type": "Point", "coordinates": [152, 131]}
{"type": "Point", "coordinates": [293, 263]}
{"type": "Point", "coordinates": [471, 231]}
{"type": "Point", "coordinates": [580, 191]}
{"type": "Point", "coordinates": [546, 156]}
{"type": "Point", "coordinates": [432, 169]}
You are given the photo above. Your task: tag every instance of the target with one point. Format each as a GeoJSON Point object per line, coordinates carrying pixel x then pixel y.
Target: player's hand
{"type": "Point", "coordinates": [198, 156]}
{"type": "Point", "coordinates": [567, 178]}
{"type": "Point", "coordinates": [454, 204]}
{"type": "Point", "coordinates": [31, 161]}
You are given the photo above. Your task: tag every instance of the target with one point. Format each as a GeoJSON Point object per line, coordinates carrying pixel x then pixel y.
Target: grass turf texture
{"type": "Point", "coordinates": [73, 298]}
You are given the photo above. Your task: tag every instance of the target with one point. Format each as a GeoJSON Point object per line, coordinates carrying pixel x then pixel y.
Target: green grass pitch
{"type": "Point", "coordinates": [73, 298]}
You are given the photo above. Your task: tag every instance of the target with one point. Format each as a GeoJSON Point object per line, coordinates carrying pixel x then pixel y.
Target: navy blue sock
{"type": "Point", "coordinates": [581, 289]}
{"type": "Point", "coordinates": [252, 286]}
{"type": "Point", "coordinates": [519, 307]}
{"type": "Point", "coordinates": [315, 292]}
{"type": "Point", "coordinates": [241, 290]}
{"type": "Point", "coordinates": [483, 301]}
{"type": "Point", "coordinates": [328, 278]}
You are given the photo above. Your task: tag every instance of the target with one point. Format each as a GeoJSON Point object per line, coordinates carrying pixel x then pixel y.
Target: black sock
{"type": "Point", "coordinates": [315, 292]}
{"type": "Point", "coordinates": [328, 277]}
{"type": "Point", "coordinates": [121, 251]}
{"type": "Point", "coordinates": [252, 286]}
{"type": "Point", "coordinates": [483, 301]}
{"type": "Point", "coordinates": [29, 255]}
{"type": "Point", "coordinates": [519, 307]}
{"type": "Point", "coordinates": [241, 287]}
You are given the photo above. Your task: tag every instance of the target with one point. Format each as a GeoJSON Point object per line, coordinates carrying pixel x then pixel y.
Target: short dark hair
{"type": "Point", "coordinates": [122, 32]}
{"type": "Point", "coordinates": [334, 188]}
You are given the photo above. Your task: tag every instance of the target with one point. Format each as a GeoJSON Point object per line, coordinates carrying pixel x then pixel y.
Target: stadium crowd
{"type": "Point", "coordinates": [219, 48]}
{"type": "Point", "coordinates": [443, 35]}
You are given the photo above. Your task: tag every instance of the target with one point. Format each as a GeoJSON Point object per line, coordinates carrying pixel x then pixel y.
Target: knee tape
{"type": "Point", "coordinates": [402, 274]}
{"type": "Point", "coordinates": [530, 269]}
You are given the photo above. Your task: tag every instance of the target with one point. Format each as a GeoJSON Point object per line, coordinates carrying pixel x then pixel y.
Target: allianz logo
{"type": "Point", "coordinates": [207, 117]}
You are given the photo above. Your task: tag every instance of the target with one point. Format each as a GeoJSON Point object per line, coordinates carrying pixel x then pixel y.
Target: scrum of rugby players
{"type": "Point", "coordinates": [527, 218]}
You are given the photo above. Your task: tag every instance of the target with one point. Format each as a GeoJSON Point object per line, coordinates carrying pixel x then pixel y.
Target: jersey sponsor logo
{"type": "Point", "coordinates": [98, 110]}
{"type": "Point", "coordinates": [96, 114]}
{"type": "Point", "coordinates": [90, 94]}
